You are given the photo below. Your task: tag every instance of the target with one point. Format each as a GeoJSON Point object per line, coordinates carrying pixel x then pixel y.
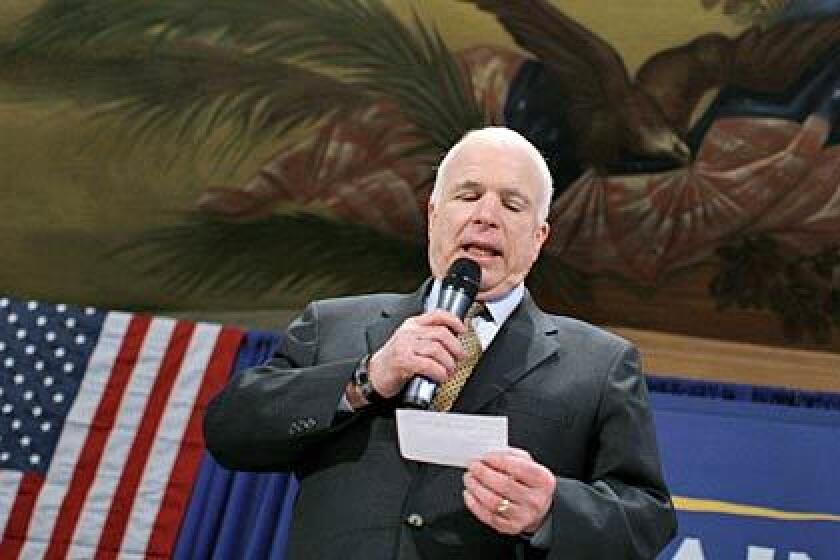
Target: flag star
{"type": "Point", "coordinates": [68, 367]}
{"type": "Point", "coordinates": [61, 308]}
{"type": "Point", "coordinates": [39, 365]}
{"type": "Point", "coordinates": [70, 323]}
{"type": "Point", "coordinates": [46, 426]}
{"type": "Point", "coordinates": [2, 346]}
{"type": "Point", "coordinates": [36, 411]}
{"type": "Point", "coordinates": [58, 398]}
{"type": "Point", "coordinates": [80, 339]}
{"type": "Point", "coordinates": [50, 336]}
{"type": "Point", "coordinates": [12, 318]}
{"type": "Point", "coordinates": [59, 352]}
{"type": "Point", "coordinates": [21, 334]}
{"type": "Point", "coordinates": [16, 424]}
{"type": "Point", "coordinates": [34, 458]}
{"type": "Point", "coordinates": [48, 381]}
{"type": "Point", "coordinates": [18, 378]}
{"type": "Point", "coordinates": [30, 349]}
{"type": "Point", "coordinates": [7, 408]}
{"type": "Point", "coordinates": [1, 391]}
{"type": "Point", "coordinates": [28, 394]}
{"type": "Point", "coordinates": [9, 362]}
{"type": "Point", "coordinates": [32, 305]}
{"type": "Point", "coordinates": [41, 321]}
{"type": "Point", "coordinates": [4, 302]}
{"type": "Point", "coordinates": [4, 456]}
{"type": "Point", "coordinates": [25, 440]}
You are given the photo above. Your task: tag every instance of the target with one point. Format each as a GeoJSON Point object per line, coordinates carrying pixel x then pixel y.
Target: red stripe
{"type": "Point", "coordinates": [183, 473]}
{"type": "Point", "coordinates": [138, 456]}
{"type": "Point", "coordinates": [18, 524]}
{"type": "Point", "coordinates": [91, 454]}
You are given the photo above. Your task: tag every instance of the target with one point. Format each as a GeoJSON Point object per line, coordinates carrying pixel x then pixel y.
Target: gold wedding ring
{"type": "Point", "coordinates": [503, 506]}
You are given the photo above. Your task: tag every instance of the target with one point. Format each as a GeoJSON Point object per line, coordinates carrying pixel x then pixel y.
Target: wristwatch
{"type": "Point", "coordinates": [361, 380]}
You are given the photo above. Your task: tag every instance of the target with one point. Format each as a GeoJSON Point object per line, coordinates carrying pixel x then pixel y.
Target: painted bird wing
{"type": "Point", "coordinates": [589, 72]}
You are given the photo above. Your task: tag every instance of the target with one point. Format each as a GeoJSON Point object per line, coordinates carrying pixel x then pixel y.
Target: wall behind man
{"type": "Point", "coordinates": [125, 211]}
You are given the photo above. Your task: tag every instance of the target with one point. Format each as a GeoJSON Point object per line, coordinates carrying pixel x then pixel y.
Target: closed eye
{"type": "Point", "coordinates": [515, 203]}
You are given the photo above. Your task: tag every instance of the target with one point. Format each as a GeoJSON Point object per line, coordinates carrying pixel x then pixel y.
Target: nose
{"type": "Point", "coordinates": [486, 211]}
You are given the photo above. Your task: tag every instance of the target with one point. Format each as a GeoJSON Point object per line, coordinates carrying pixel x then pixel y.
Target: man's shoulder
{"type": "Point", "coordinates": [570, 329]}
{"type": "Point", "coordinates": [358, 303]}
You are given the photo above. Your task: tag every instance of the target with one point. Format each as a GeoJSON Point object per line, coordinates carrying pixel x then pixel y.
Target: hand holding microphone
{"type": "Point", "coordinates": [423, 351]}
{"type": "Point", "coordinates": [457, 294]}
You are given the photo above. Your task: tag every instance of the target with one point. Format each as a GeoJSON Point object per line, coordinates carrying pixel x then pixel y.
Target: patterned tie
{"type": "Point", "coordinates": [448, 391]}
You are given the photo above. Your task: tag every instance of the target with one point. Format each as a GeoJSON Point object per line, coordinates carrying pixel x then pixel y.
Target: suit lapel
{"type": "Point", "coordinates": [523, 343]}
{"type": "Point", "coordinates": [393, 315]}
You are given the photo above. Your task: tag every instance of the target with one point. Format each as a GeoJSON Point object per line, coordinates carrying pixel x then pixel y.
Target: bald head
{"type": "Point", "coordinates": [503, 138]}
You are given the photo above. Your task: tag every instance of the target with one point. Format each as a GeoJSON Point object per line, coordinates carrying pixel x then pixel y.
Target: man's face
{"type": "Point", "coordinates": [487, 211]}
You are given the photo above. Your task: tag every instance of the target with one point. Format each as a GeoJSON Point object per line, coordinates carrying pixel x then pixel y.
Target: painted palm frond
{"type": "Point", "coordinates": [296, 251]}
{"type": "Point", "coordinates": [304, 251]}
{"type": "Point", "coordinates": [410, 65]}
{"type": "Point", "coordinates": [361, 43]}
{"type": "Point", "coordinates": [99, 23]}
{"type": "Point", "coordinates": [255, 69]}
{"type": "Point", "coordinates": [185, 94]}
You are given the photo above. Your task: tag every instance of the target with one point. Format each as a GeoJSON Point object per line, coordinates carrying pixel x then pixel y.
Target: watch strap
{"type": "Point", "coordinates": [361, 379]}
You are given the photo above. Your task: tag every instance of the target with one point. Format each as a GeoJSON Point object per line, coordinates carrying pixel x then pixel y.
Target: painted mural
{"type": "Point", "coordinates": [303, 137]}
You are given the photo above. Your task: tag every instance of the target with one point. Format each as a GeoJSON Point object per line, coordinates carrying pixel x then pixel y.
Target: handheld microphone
{"type": "Point", "coordinates": [457, 293]}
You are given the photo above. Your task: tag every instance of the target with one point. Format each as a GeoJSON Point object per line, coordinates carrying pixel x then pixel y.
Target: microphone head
{"type": "Point", "coordinates": [464, 275]}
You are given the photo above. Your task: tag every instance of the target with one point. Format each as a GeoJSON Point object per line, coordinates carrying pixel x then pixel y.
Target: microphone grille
{"type": "Point", "coordinates": [464, 274]}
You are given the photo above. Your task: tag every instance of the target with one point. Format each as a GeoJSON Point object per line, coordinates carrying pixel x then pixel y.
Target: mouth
{"type": "Point", "coordinates": [480, 251]}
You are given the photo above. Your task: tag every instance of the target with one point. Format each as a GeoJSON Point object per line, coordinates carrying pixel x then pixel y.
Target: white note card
{"type": "Point", "coordinates": [448, 438]}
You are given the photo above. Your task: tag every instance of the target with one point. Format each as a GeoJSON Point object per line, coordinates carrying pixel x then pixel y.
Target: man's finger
{"type": "Point", "coordinates": [523, 469]}
{"type": "Point", "coordinates": [445, 338]}
{"type": "Point", "coordinates": [436, 351]}
{"type": "Point", "coordinates": [499, 482]}
{"type": "Point", "coordinates": [489, 516]}
{"type": "Point", "coordinates": [441, 318]}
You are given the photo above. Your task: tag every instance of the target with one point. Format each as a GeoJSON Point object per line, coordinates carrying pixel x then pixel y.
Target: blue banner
{"type": "Point", "coordinates": [750, 480]}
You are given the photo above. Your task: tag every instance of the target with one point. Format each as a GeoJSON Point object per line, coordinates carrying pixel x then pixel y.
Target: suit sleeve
{"type": "Point", "coordinates": [268, 417]}
{"type": "Point", "coordinates": [624, 510]}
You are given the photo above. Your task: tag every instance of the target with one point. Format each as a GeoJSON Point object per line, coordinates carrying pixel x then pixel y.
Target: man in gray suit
{"type": "Point", "coordinates": [582, 479]}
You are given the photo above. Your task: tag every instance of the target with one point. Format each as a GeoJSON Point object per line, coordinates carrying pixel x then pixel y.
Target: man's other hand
{"type": "Point", "coordinates": [509, 491]}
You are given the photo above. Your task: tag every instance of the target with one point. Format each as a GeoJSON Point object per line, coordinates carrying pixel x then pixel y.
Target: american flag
{"type": "Point", "coordinates": [100, 427]}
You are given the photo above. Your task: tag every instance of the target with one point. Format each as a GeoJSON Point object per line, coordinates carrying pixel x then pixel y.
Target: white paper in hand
{"type": "Point", "coordinates": [448, 438]}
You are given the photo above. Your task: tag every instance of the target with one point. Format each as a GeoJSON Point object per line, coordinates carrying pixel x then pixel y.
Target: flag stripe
{"type": "Point", "coordinates": [168, 442]}
{"type": "Point", "coordinates": [115, 524]}
{"type": "Point", "coordinates": [74, 434]}
{"type": "Point", "coordinates": [91, 455]}
{"type": "Point", "coordinates": [16, 510]}
{"type": "Point", "coordinates": [9, 484]}
{"type": "Point", "coordinates": [182, 475]}
{"type": "Point", "coordinates": [120, 438]}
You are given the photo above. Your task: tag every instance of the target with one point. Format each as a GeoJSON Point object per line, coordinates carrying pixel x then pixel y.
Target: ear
{"type": "Point", "coordinates": [540, 235]}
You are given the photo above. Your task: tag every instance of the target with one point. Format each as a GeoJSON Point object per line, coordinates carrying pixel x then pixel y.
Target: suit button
{"type": "Point", "coordinates": [415, 520]}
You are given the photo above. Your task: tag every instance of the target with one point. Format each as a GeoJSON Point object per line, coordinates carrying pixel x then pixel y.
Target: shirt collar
{"type": "Point", "coordinates": [500, 308]}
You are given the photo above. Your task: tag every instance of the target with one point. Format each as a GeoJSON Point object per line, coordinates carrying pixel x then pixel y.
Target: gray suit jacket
{"type": "Point", "coordinates": [574, 397]}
